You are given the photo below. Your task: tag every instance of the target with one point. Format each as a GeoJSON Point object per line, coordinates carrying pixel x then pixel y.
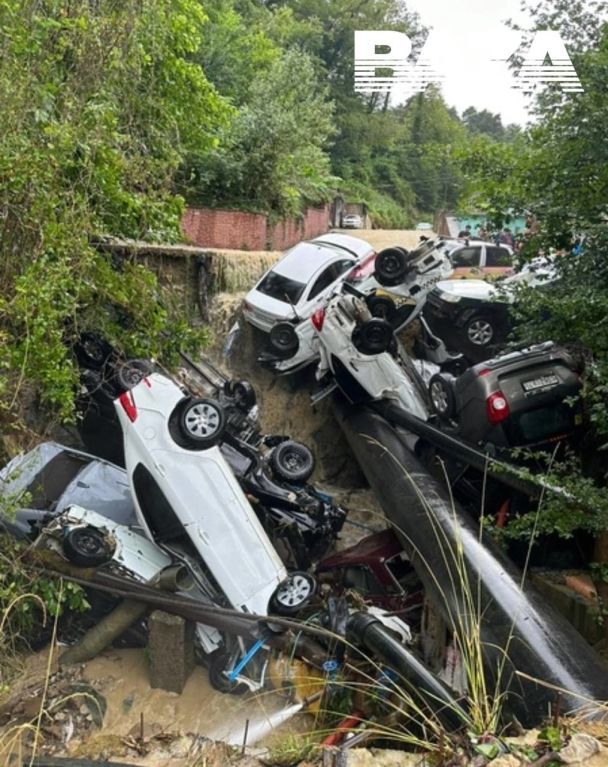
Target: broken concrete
{"type": "Point", "coordinates": [171, 651]}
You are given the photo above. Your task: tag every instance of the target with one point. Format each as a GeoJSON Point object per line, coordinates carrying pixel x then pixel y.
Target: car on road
{"type": "Point", "coordinates": [352, 221]}
{"type": "Point", "coordinates": [524, 398]}
{"type": "Point", "coordinates": [188, 499]}
{"type": "Point", "coordinates": [299, 283]}
{"type": "Point", "coordinates": [41, 484]}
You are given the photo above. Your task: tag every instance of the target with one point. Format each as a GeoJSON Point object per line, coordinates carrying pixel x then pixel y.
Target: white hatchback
{"type": "Point", "coordinates": [185, 491]}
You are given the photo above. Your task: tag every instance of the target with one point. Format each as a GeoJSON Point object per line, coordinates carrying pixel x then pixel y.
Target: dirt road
{"type": "Point", "coordinates": [384, 238]}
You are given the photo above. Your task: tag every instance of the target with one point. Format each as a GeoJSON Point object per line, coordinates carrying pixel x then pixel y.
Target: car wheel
{"type": "Point", "coordinates": [284, 339]}
{"type": "Point", "coordinates": [292, 461]}
{"type": "Point", "coordinates": [382, 306]}
{"type": "Point", "coordinates": [373, 337]}
{"type": "Point", "coordinates": [131, 372]}
{"type": "Point", "coordinates": [218, 661]}
{"type": "Point", "coordinates": [391, 266]}
{"type": "Point", "coordinates": [293, 593]}
{"type": "Point", "coordinates": [202, 422]}
{"type": "Point", "coordinates": [442, 397]}
{"type": "Point", "coordinates": [480, 330]}
{"type": "Point", "coordinates": [243, 394]}
{"type": "Point", "coordinates": [92, 351]}
{"type": "Point", "coordinates": [87, 547]}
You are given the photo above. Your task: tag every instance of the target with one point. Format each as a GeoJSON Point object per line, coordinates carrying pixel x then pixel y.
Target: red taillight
{"type": "Point", "coordinates": [128, 405]}
{"type": "Point", "coordinates": [483, 372]}
{"type": "Point", "coordinates": [497, 407]}
{"type": "Point", "coordinates": [318, 318]}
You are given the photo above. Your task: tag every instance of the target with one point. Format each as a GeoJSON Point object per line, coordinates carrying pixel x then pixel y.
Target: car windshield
{"type": "Point", "coordinates": [282, 288]}
{"type": "Point", "coordinates": [53, 479]}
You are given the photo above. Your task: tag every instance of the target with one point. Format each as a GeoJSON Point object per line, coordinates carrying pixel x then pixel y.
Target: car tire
{"type": "Point", "coordinates": [92, 350]}
{"type": "Point", "coordinates": [382, 307]}
{"type": "Point", "coordinates": [243, 394]}
{"type": "Point", "coordinates": [87, 547]}
{"type": "Point", "coordinates": [129, 373]}
{"type": "Point", "coordinates": [480, 331]}
{"type": "Point", "coordinates": [292, 594]}
{"type": "Point", "coordinates": [283, 339]}
{"type": "Point", "coordinates": [292, 462]}
{"type": "Point", "coordinates": [202, 423]}
{"type": "Point", "coordinates": [391, 266]}
{"type": "Point", "coordinates": [217, 679]}
{"type": "Point", "coordinates": [374, 336]}
{"type": "Point", "coordinates": [442, 397]}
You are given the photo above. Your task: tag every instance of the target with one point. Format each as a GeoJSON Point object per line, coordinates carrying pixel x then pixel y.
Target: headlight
{"type": "Point", "coordinates": [450, 298]}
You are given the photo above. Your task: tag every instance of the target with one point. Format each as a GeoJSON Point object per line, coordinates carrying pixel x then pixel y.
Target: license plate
{"type": "Point", "coordinates": [540, 383]}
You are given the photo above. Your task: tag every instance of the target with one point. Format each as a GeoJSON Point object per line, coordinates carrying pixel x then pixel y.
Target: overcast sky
{"type": "Point", "coordinates": [467, 35]}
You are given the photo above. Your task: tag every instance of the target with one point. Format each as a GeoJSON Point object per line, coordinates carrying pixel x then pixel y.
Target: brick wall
{"type": "Point", "coordinates": [232, 229]}
{"type": "Point", "coordinates": [235, 229]}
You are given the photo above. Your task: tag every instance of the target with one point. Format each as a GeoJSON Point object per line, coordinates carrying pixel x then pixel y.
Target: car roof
{"type": "Point", "coordinates": [355, 246]}
{"type": "Point", "coordinates": [304, 260]}
{"type": "Point", "coordinates": [467, 288]}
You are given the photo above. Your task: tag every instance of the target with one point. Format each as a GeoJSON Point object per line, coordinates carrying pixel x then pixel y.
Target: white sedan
{"type": "Point", "coordinates": [300, 282]}
{"type": "Point", "coordinates": [188, 500]}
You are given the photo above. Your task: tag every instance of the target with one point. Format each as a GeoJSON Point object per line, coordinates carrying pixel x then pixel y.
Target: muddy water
{"type": "Point", "coordinates": [122, 677]}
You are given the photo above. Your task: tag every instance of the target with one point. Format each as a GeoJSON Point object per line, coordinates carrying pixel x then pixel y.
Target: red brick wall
{"type": "Point", "coordinates": [235, 229]}
{"type": "Point", "coordinates": [232, 229]}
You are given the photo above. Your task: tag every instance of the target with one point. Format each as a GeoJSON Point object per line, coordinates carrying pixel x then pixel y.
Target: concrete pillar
{"type": "Point", "coordinates": [171, 650]}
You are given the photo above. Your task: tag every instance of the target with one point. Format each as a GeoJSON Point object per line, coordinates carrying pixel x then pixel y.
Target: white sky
{"type": "Point", "coordinates": [467, 35]}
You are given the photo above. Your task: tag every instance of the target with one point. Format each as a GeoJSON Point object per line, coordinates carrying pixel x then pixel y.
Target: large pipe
{"type": "Point", "coordinates": [427, 691]}
{"type": "Point", "coordinates": [472, 581]}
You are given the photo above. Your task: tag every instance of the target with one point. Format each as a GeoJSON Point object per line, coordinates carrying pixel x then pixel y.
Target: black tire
{"type": "Point", "coordinates": [217, 665]}
{"type": "Point", "coordinates": [92, 351]}
{"type": "Point", "coordinates": [129, 373]}
{"type": "Point", "coordinates": [382, 307]}
{"type": "Point", "coordinates": [202, 423]}
{"type": "Point", "coordinates": [243, 394]}
{"type": "Point", "coordinates": [87, 547]}
{"type": "Point", "coordinates": [374, 336]}
{"type": "Point", "coordinates": [480, 331]}
{"type": "Point", "coordinates": [283, 339]}
{"type": "Point", "coordinates": [293, 593]}
{"type": "Point", "coordinates": [391, 266]}
{"type": "Point", "coordinates": [442, 397]}
{"type": "Point", "coordinates": [292, 461]}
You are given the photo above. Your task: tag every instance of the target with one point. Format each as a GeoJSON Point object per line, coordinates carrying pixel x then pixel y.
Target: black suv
{"type": "Point", "coordinates": [517, 399]}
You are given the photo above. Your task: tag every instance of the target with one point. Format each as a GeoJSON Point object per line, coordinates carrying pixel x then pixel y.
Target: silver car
{"type": "Point", "coordinates": [38, 485]}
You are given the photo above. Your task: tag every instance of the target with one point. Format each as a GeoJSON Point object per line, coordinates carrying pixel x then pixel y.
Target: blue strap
{"type": "Point", "coordinates": [232, 676]}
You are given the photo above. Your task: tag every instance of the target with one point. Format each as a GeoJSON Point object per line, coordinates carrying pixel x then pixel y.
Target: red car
{"type": "Point", "coordinates": [379, 569]}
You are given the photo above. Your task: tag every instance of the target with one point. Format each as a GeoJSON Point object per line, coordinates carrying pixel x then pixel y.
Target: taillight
{"type": "Point", "coordinates": [128, 405]}
{"type": "Point", "coordinates": [363, 269]}
{"type": "Point", "coordinates": [497, 407]}
{"type": "Point", "coordinates": [318, 318]}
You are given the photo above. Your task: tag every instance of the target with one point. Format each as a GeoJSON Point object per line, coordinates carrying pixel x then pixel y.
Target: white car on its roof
{"type": "Point", "coordinates": [300, 282]}
{"type": "Point", "coordinates": [187, 497]}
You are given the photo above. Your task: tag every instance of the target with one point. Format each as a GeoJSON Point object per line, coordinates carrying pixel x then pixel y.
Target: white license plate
{"type": "Point", "coordinates": [540, 383]}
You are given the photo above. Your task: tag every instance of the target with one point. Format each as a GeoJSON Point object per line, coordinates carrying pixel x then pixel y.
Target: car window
{"type": "Point", "coordinates": [498, 257]}
{"type": "Point", "coordinates": [53, 479]}
{"type": "Point", "coordinates": [466, 257]}
{"type": "Point", "coordinates": [158, 512]}
{"type": "Point", "coordinates": [282, 288]}
{"type": "Point", "coordinates": [325, 279]}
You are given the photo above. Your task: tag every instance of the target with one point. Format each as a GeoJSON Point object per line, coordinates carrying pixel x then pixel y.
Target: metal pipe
{"type": "Point", "coordinates": [427, 690]}
{"type": "Point", "coordinates": [471, 581]}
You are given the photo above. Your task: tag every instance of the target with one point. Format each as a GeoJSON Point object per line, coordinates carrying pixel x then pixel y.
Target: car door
{"type": "Point", "coordinates": [323, 284]}
{"type": "Point", "coordinates": [498, 262]}
{"type": "Point", "coordinates": [466, 262]}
